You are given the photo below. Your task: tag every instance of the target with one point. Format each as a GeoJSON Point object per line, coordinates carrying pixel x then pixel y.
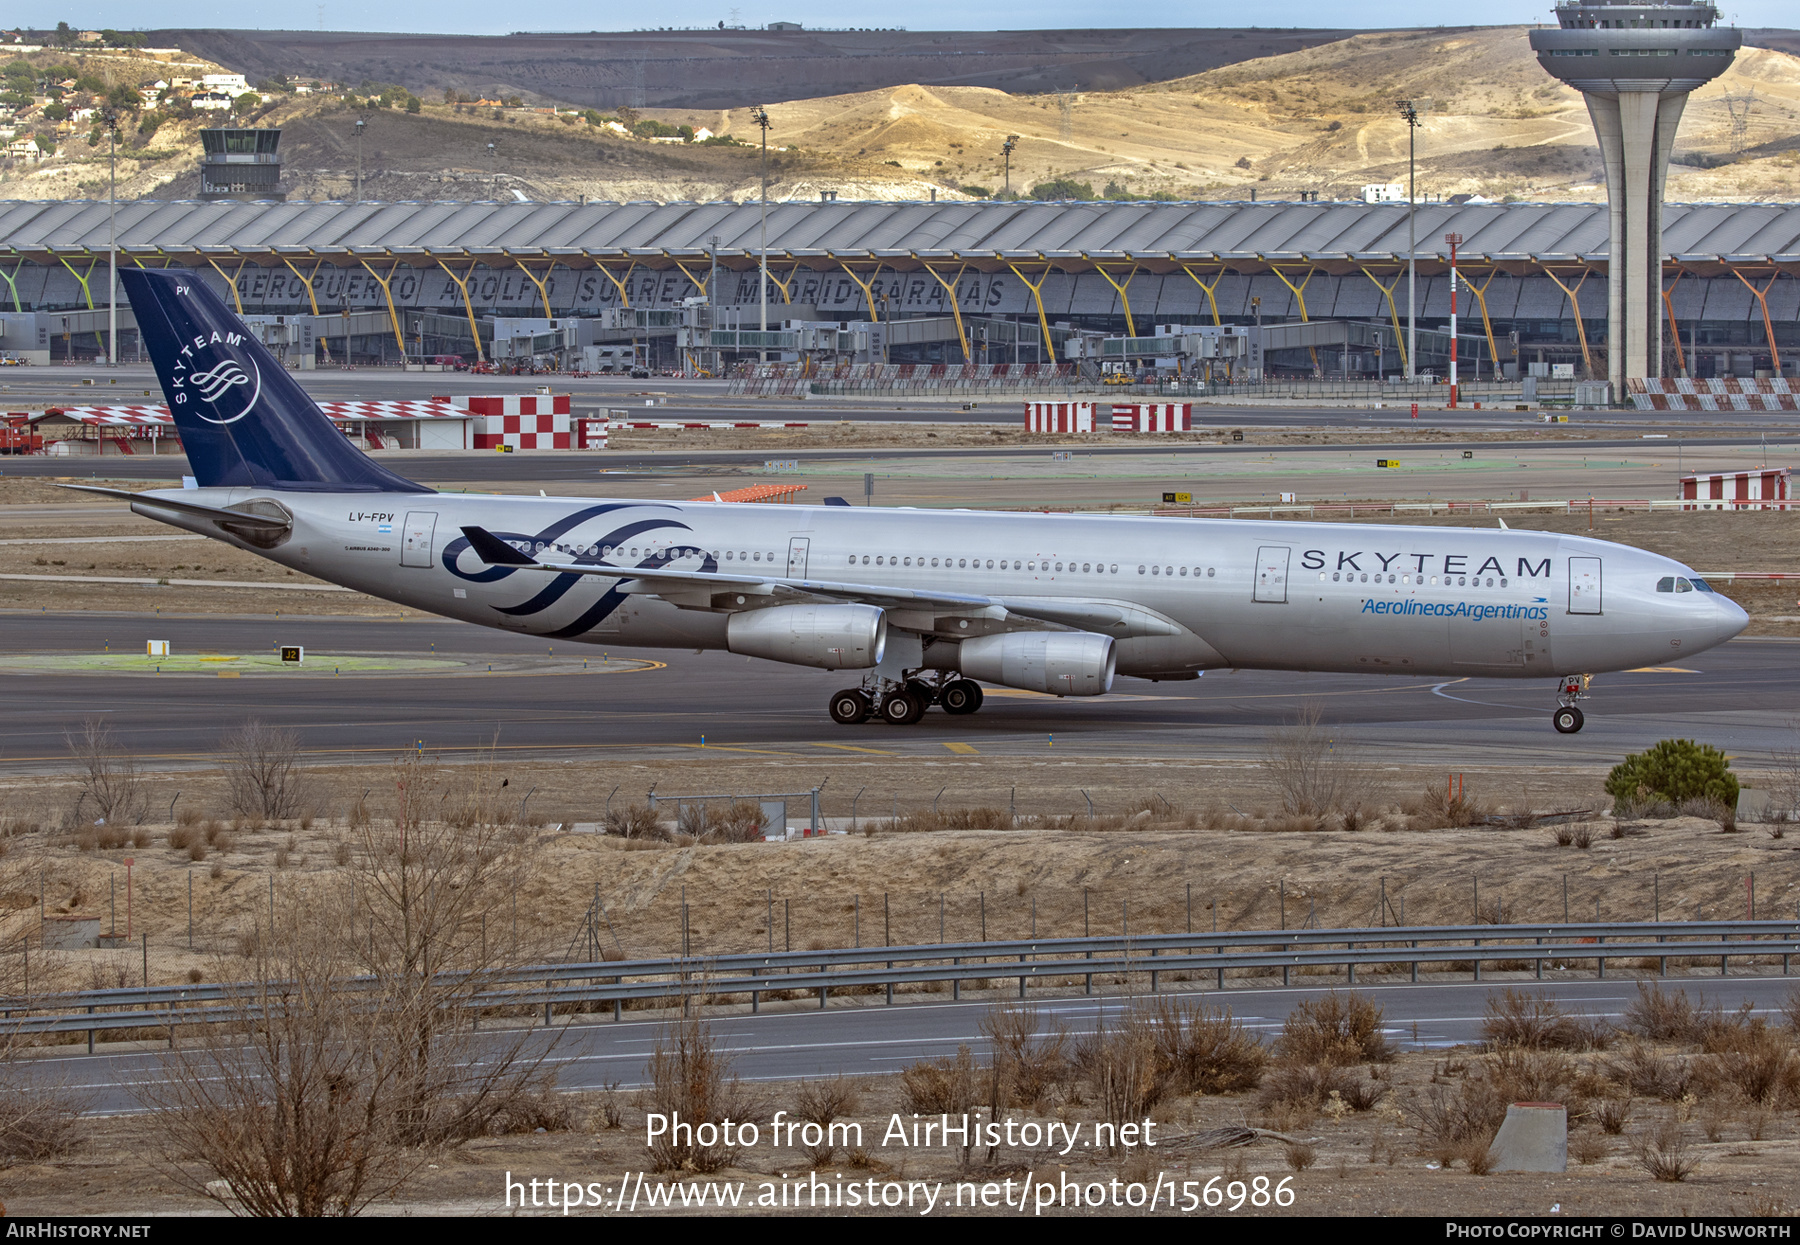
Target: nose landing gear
{"type": "Point", "coordinates": [1568, 719]}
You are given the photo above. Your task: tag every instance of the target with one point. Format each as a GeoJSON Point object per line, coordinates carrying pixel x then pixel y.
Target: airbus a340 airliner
{"type": "Point", "coordinates": [924, 605]}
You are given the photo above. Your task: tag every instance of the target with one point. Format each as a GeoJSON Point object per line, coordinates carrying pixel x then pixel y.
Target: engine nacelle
{"type": "Point", "coordinates": [831, 637]}
{"type": "Point", "coordinates": [1063, 663]}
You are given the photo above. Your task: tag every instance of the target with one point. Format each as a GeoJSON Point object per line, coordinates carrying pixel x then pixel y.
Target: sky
{"type": "Point", "coordinates": [486, 18]}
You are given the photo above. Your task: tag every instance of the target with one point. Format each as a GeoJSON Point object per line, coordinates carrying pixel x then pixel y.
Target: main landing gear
{"type": "Point", "coordinates": [902, 704]}
{"type": "Point", "coordinates": [1567, 718]}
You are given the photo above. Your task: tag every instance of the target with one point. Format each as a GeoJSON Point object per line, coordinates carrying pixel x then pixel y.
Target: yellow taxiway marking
{"type": "Point", "coordinates": [853, 748]}
{"type": "Point", "coordinates": [761, 752]}
{"type": "Point", "coordinates": [967, 750]}
{"type": "Point", "coordinates": [1662, 670]}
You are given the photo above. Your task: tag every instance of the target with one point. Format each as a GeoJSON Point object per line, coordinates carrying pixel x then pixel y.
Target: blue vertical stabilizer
{"type": "Point", "coordinates": [243, 420]}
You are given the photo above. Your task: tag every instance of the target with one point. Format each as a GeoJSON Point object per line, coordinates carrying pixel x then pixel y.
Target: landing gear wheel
{"type": "Point", "coordinates": [849, 707]}
{"type": "Point", "coordinates": [902, 708]}
{"type": "Point", "coordinates": [1568, 720]}
{"type": "Point", "coordinates": [961, 696]}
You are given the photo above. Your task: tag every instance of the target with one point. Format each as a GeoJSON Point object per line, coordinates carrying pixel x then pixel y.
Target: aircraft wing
{"type": "Point", "coordinates": [910, 609]}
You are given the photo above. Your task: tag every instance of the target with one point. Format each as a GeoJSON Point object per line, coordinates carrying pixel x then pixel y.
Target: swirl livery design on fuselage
{"type": "Point", "coordinates": [560, 585]}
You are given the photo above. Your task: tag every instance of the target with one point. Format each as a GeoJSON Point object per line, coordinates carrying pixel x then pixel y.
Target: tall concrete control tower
{"type": "Point", "coordinates": [1635, 64]}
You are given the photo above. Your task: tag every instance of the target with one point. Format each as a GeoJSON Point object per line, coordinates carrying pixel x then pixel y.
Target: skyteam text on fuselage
{"type": "Point", "coordinates": [923, 605]}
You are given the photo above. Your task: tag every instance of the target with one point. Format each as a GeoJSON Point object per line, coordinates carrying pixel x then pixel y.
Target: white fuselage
{"type": "Point", "coordinates": [1217, 593]}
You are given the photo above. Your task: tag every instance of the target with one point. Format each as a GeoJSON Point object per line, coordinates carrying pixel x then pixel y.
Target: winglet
{"type": "Point", "coordinates": [494, 551]}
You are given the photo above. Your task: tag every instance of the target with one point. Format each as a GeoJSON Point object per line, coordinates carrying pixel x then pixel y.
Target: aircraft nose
{"type": "Point", "coordinates": [1729, 618]}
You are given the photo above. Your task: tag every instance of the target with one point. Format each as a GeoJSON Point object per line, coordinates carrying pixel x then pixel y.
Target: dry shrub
{"type": "Point", "coordinates": [691, 1077]}
{"type": "Point", "coordinates": [1531, 1020]}
{"type": "Point", "coordinates": [1790, 1010]}
{"type": "Point", "coordinates": [1662, 1151]}
{"type": "Point", "coordinates": [1205, 1049]}
{"type": "Point", "coordinates": [1612, 1115]}
{"type": "Point", "coordinates": [743, 822]}
{"type": "Point", "coordinates": [1025, 1065]}
{"type": "Point", "coordinates": [38, 1121]}
{"type": "Point", "coordinates": [1123, 1069]}
{"type": "Point", "coordinates": [1640, 1070]}
{"type": "Point", "coordinates": [1588, 1148]}
{"type": "Point", "coordinates": [1453, 1122]}
{"type": "Point", "coordinates": [941, 1086]}
{"type": "Point", "coordinates": [638, 821]}
{"type": "Point", "coordinates": [1758, 1064]}
{"type": "Point", "coordinates": [259, 762]}
{"type": "Point", "coordinates": [1304, 1085]}
{"type": "Point", "coordinates": [1438, 808]}
{"type": "Point", "coordinates": [1662, 1015]}
{"type": "Point", "coordinates": [821, 1103]}
{"type": "Point", "coordinates": [182, 837]}
{"type": "Point", "coordinates": [612, 1106]}
{"type": "Point", "coordinates": [1313, 772]}
{"type": "Point", "coordinates": [1565, 835]}
{"type": "Point", "coordinates": [542, 1109]}
{"type": "Point", "coordinates": [1476, 1155]}
{"type": "Point", "coordinates": [1710, 809]}
{"type": "Point", "coordinates": [110, 787]}
{"type": "Point", "coordinates": [1335, 1029]}
{"type": "Point", "coordinates": [196, 851]}
{"type": "Point", "coordinates": [1300, 1155]}
{"type": "Point", "coordinates": [1519, 1075]}
{"type": "Point", "coordinates": [1583, 836]}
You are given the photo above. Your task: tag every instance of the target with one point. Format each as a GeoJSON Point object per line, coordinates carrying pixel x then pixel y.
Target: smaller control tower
{"type": "Point", "coordinates": [1635, 64]}
{"type": "Point", "coordinates": [241, 164]}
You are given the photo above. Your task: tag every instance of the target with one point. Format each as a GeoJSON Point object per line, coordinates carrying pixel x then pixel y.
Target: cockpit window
{"type": "Point", "coordinates": [1666, 584]}
{"type": "Point", "coordinates": [1700, 585]}
{"type": "Point", "coordinates": [1682, 585]}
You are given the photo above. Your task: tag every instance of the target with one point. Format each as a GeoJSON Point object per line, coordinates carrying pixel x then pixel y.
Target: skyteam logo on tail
{"type": "Point", "coordinates": [210, 371]}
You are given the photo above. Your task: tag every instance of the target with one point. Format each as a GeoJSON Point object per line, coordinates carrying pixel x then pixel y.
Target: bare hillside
{"type": "Point", "coordinates": [738, 67]}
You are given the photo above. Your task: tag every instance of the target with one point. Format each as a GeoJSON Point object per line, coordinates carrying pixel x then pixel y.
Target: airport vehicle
{"type": "Point", "coordinates": [924, 606]}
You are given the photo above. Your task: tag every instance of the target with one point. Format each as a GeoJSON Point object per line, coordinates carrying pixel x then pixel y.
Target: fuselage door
{"type": "Point", "coordinates": [1272, 574]}
{"type": "Point", "coordinates": [415, 547]}
{"type": "Point", "coordinates": [1584, 585]}
{"type": "Point", "coordinates": [797, 548]}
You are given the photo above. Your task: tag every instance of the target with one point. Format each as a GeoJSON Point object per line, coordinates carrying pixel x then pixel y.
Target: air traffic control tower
{"type": "Point", "coordinates": [1635, 64]}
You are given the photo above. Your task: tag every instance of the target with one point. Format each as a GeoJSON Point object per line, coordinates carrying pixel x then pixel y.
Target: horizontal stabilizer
{"type": "Point", "coordinates": [219, 513]}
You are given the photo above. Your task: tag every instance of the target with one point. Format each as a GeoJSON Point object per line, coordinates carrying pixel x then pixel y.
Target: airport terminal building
{"type": "Point", "coordinates": [914, 282]}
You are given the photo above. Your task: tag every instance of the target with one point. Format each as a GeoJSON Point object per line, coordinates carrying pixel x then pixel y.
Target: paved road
{"type": "Point", "coordinates": [863, 1037]}
{"type": "Point", "coordinates": [1739, 697]}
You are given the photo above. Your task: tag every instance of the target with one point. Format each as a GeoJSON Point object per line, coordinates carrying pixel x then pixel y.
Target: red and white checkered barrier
{"type": "Point", "coordinates": [1152, 416]}
{"type": "Point", "coordinates": [339, 412]}
{"type": "Point", "coordinates": [1060, 417]}
{"type": "Point", "coordinates": [522, 421]}
{"type": "Point", "coordinates": [1726, 393]}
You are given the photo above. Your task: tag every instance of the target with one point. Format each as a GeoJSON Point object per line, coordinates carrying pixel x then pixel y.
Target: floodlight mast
{"type": "Point", "coordinates": [760, 115]}
{"type": "Point", "coordinates": [1635, 64]}
{"type": "Point", "coordinates": [1006, 148]}
{"type": "Point", "coordinates": [1455, 240]}
{"type": "Point", "coordinates": [1409, 113]}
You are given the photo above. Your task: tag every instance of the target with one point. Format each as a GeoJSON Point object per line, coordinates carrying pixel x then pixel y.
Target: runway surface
{"type": "Point", "coordinates": [863, 1037]}
{"type": "Point", "coordinates": [1740, 697]}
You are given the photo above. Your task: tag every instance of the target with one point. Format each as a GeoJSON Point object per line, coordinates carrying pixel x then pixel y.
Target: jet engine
{"type": "Point", "coordinates": [831, 637]}
{"type": "Point", "coordinates": [1063, 663]}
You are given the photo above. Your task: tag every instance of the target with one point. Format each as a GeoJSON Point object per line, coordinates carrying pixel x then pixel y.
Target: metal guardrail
{"type": "Point", "coordinates": [1027, 960]}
